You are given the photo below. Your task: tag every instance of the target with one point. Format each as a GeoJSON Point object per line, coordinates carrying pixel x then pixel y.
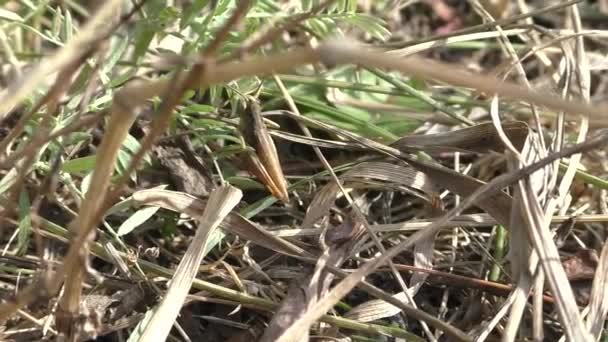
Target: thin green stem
{"type": "Point", "coordinates": [422, 97]}
{"type": "Point", "coordinates": [500, 241]}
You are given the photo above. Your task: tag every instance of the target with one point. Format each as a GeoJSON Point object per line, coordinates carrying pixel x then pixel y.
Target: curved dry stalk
{"type": "Point", "coordinates": [519, 263]}
{"type": "Point", "coordinates": [74, 264]}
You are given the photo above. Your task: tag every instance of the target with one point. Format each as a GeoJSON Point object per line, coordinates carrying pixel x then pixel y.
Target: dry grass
{"type": "Point", "coordinates": [492, 214]}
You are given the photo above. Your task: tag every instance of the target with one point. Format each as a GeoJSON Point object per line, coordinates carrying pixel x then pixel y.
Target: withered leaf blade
{"type": "Point", "coordinates": [479, 138]}
{"type": "Point", "coordinates": [233, 222]}
{"type": "Point", "coordinates": [375, 309]}
{"type": "Point", "coordinates": [265, 163]}
{"type": "Point", "coordinates": [598, 304]}
{"type": "Point", "coordinates": [397, 174]}
{"type": "Point", "coordinates": [221, 202]}
{"type": "Point", "coordinates": [498, 205]}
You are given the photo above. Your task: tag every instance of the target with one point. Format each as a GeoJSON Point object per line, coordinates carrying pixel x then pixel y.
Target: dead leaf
{"type": "Point", "coordinates": [480, 138]}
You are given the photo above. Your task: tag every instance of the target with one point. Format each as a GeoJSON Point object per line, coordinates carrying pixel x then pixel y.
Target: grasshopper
{"type": "Point", "coordinates": [264, 162]}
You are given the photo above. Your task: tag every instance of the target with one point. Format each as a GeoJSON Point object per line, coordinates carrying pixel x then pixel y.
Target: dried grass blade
{"type": "Point", "coordinates": [399, 174]}
{"type": "Point", "coordinates": [375, 309]}
{"type": "Point", "coordinates": [519, 256]}
{"type": "Point", "coordinates": [598, 306]}
{"type": "Point", "coordinates": [234, 223]}
{"type": "Point", "coordinates": [544, 246]}
{"type": "Point", "coordinates": [393, 173]}
{"type": "Point", "coordinates": [221, 202]}
{"type": "Point", "coordinates": [471, 220]}
{"type": "Point", "coordinates": [423, 258]}
{"type": "Point", "coordinates": [414, 49]}
{"type": "Point", "coordinates": [498, 204]}
{"type": "Point", "coordinates": [301, 139]}
{"type": "Point", "coordinates": [480, 138]}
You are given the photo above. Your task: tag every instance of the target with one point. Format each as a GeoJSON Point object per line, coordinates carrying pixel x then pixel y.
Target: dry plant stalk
{"type": "Point", "coordinates": [220, 203]}
{"type": "Point", "coordinates": [89, 215]}
{"type": "Point", "coordinates": [598, 306]}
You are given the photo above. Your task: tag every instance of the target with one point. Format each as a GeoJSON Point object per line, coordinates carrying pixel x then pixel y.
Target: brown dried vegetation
{"type": "Point", "coordinates": [178, 170]}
